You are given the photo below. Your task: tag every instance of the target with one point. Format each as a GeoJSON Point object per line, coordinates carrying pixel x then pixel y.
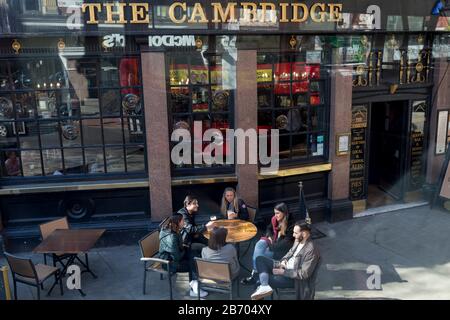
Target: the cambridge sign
{"type": "Point", "coordinates": [215, 12]}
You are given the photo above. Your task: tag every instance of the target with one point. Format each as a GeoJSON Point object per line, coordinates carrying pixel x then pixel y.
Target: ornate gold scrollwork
{"type": "Point", "coordinates": [379, 59]}
{"type": "Point", "coordinates": [419, 67]}
{"type": "Point", "coordinates": [360, 81]}
{"type": "Point", "coordinates": [402, 66]}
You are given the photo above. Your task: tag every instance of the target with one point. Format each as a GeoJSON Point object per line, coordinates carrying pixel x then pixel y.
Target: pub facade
{"type": "Point", "coordinates": [92, 91]}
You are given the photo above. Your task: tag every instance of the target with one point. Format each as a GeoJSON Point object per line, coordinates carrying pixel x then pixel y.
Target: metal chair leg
{"type": "Point", "coordinates": [170, 286]}
{"type": "Point", "coordinates": [145, 278]}
{"type": "Point", "coordinates": [45, 258]}
{"type": "Point", "coordinates": [198, 290]}
{"type": "Point", "coordinates": [231, 291]}
{"type": "Point", "coordinates": [15, 289]}
{"type": "Point", "coordinates": [38, 292]}
{"type": "Point", "coordinates": [60, 283]}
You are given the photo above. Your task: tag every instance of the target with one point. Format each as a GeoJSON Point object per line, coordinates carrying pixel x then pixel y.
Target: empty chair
{"type": "Point", "coordinates": [216, 277]}
{"type": "Point", "coordinates": [149, 249]}
{"type": "Point", "coordinates": [24, 271]}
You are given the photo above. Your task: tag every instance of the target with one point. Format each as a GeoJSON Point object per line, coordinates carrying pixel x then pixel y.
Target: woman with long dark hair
{"type": "Point", "coordinates": [219, 250]}
{"type": "Point", "coordinates": [277, 240]}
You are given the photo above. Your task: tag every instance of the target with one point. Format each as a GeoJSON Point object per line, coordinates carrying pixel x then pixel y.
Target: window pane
{"type": "Point", "coordinates": [109, 72]}
{"type": "Point", "coordinates": [70, 131]}
{"type": "Point", "coordinates": [73, 161]}
{"type": "Point", "coordinates": [136, 158]}
{"type": "Point", "coordinates": [52, 162]}
{"type": "Point", "coordinates": [112, 130]}
{"type": "Point", "coordinates": [49, 131]}
{"type": "Point", "coordinates": [92, 132]}
{"type": "Point", "coordinates": [31, 161]}
{"type": "Point", "coordinates": [200, 99]}
{"type": "Point", "coordinates": [8, 132]}
{"type": "Point", "coordinates": [6, 107]}
{"type": "Point", "coordinates": [129, 72]}
{"type": "Point", "coordinates": [285, 151]}
{"type": "Point", "coordinates": [25, 105]}
{"type": "Point", "coordinates": [29, 140]}
{"type": "Point", "coordinates": [220, 99]}
{"type": "Point", "coordinates": [318, 121]}
{"type": "Point", "coordinates": [115, 160]}
{"type": "Point", "coordinates": [110, 102]}
{"type": "Point", "coordinates": [134, 127]}
{"type": "Point", "coordinates": [299, 146]}
{"type": "Point", "coordinates": [180, 99]}
{"type": "Point", "coordinates": [94, 160]}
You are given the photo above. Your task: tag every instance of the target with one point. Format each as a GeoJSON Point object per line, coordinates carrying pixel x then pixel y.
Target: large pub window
{"type": "Point", "coordinates": [71, 115]}
{"type": "Point", "coordinates": [201, 90]}
{"type": "Point", "coordinates": [292, 97]}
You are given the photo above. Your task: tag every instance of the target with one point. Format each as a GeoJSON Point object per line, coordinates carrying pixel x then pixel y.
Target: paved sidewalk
{"type": "Point", "coordinates": [412, 248]}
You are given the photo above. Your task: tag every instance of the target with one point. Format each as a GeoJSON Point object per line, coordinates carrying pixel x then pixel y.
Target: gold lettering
{"type": "Point", "coordinates": [335, 12]}
{"type": "Point", "coordinates": [249, 12]}
{"type": "Point", "coordinates": [198, 12]}
{"type": "Point", "coordinates": [295, 17]}
{"type": "Point", "coordinates": [110, 13]}
{"type": "Point", "coordinates": [321, 13]}
{"type": "Point", "coordinates": [139, 13]}
{"type": "Point", "coordinates": [91, 7]}
{"type": "Point", "coordinates": [172, 12]}
{"type": "Point", "coordinates": [266, 6]}
{"type": "Point", "coordinates": [227, 16]}
{"type": "Point", "coordinates": [284, 7]}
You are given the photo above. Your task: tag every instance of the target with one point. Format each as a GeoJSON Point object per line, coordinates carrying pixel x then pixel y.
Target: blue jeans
{"type": "Point", "coordinates": [261, 249]}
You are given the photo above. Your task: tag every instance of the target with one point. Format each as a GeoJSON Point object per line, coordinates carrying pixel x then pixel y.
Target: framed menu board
{"type": "Point", "coordinates": [441, 139]}
{"type": "Point", "coordinates": [358, 152]}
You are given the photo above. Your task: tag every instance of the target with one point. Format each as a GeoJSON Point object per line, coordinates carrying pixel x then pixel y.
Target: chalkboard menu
{"type": "Point", "coordinates": [5, 293]}
{"type": "Point", "coordinates": [358, 153]}
{"type": "Point", "coordinates": [417, 144]}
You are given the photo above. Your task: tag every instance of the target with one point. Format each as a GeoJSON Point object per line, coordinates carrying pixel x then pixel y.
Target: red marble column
{"type": "Point", "coordinates": [246, 117]}
{"type": "Point", "coordinates": [340, 123]}
{"type": "Point", "coordinates": [157, 133]}
{"type": "Point", "coordinates": [441, 99]}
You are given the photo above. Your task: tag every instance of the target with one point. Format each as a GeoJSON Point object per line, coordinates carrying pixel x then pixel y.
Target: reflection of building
{"type": "Point", "coordinates": [90, 123]}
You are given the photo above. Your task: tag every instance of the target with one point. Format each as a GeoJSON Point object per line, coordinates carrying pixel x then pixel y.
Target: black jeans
{"type": "Point", "coordinates": [188, 263]}
{"type": "Point", "coordinates": [265, 265]}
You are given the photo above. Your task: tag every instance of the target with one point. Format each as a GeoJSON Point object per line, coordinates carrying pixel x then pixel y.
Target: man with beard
{"type": "Point", "coordinates": [299, 263]}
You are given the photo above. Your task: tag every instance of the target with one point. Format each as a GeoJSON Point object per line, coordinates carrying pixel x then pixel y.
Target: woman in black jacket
{"type": "Point", "coordinates": [232, 207]}
{"type": "Point", "coordinates": [277, 241]}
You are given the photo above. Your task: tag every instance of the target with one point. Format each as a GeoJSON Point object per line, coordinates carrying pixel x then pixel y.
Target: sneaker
{"type": "Point", "coordinates": [262, 292]}
{"type": "Point", "coordinates": [194, 294]}
{"type": "Point", "coordinates": [194, 290]}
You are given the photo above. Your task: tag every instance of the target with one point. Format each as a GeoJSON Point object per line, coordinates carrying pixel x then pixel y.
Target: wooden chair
{"type": "Point", "coordinates": [47, 229]}
{"type": "Point", "coordinates": [251, 213]}
{"type": "Point", "coordinates": [215, 276]}
{"type": "Point", "coordinates": [163, 224]}
{"type": "Point", "coordinates": [149, 249]}
{"type": "Point", "coordinates": [24, 271]}
{"type": "Point", "coordinates": [298, 284]}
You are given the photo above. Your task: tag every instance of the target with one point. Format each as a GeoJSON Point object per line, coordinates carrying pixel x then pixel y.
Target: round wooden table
{"type": "Point", "coordinates": [238, 230]}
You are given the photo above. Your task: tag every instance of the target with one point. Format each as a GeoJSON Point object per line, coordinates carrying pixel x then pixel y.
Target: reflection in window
{"type": "Point", "coordinates": [201, 89]}
{"type": "Point", "coordinates": [60, 113]}
{"type": "Point", "coordinates": [292, 99]}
